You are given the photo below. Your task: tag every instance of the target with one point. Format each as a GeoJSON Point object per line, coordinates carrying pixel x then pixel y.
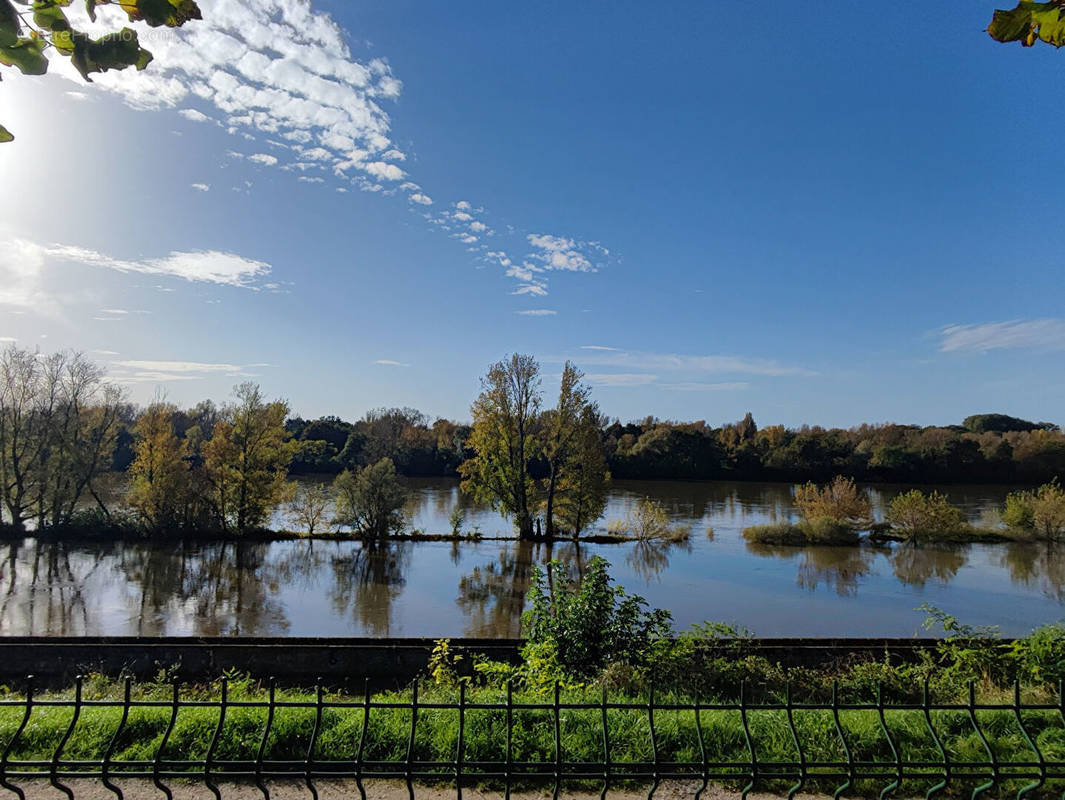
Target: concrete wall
{"type": "Point", "coordinates": [337, 662]}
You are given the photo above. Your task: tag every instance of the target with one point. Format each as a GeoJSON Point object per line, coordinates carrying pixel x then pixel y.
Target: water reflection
{"type": "Point", "coordinates": [916, 566]}
{"type": "Point", "coordinates": [838, 568]}
{"type": "Point", "coordinates": [1040, 565]}
{"type": "Point", "coordinates": [368, 581]}
{"type": "Point", "coordinates": [478, 588]}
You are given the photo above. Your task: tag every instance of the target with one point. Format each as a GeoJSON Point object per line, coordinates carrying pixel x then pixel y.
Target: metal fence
{"type": "Point", "coordinates": [1031, 772]}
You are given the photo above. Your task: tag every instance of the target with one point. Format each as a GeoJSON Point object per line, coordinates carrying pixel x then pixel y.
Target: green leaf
{"type": "Point", "coordinates": [27, 54]}
{"type": "Point", "coordinates": [1028, 22]}
{"type": "Point", "coordinates": [9, 24]}
{"type": "Point", "coordinates": [172, 13]}
{"type": "Point", "coordinates": [5, 135]}
{"type": "Point", "coordinates": [48, 14]}
{"type": "Point", "coordinates": [113, 51]}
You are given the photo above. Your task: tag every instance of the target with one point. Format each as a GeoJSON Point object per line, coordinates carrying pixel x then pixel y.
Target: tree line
{"type": "Point", "coordinates": [225, 468]}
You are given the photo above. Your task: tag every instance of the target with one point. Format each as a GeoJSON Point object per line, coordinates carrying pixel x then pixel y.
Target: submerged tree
{"type": "Point", "coordinates": [246, 460]}
{"type": "Point", "coordinates": [58, 423]}
{"type": "Point", "coordinates": [371, 502]}
{"type": "Point", "coordinates": [160, 470]}
{"type": "Point", "coordinates": [582, 487]}
{"type": "Point", "coordinates": [573, 450]}
{"type": "Point", "coordinates": [506, 420]}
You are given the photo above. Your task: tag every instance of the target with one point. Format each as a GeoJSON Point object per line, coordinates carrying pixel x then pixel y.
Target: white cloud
{"type": "Point", "coordinates": [599, 347]}
{"type": "Point", "coordinates": [1036, 334]}
{"type": "Point", "coordinates": [8, 339]}
{"type": "Point", "coordinates": [310, 179]}
{"type": "Point", "coordinates": [388, 362]}
{"type": "Point", "coordinates": [531, 289]}
{"type": "Point", "coordinates": [113, 311]}
{"type": "Point", "coordinates": [620, 378]}
{"type": "Point", "coordinates": [537, 312]}
{"type": "Point", "coordinates": [279, 71]}
{"type": "Point", "coordinates": [201, 187]}
{"type": "Point", "coordinates": [727, 386]}
{"type": "Point", "coordinates": [77, 95]}
{"type": "Point", "coordinates": [194, 115]}
{"type": "Point", "coordinates": [713, 364]}
{"type": "Point", "coordinates": [150, 371]}
{"type": "Point", "coordinates": [265, 159]}
{"type": "Point", "coordinates": [210, 266]}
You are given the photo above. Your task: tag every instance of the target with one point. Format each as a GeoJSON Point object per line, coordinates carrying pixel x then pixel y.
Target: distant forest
{"type": "Point", "coordinates": [984, 448]}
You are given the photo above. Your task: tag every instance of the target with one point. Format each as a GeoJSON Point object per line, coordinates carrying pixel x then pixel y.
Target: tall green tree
{"type": "Point", "coordinates": [505, 438]}
{"type": "Point", "coordinates": [246, 460]}
{"type": "Point", "coordinates": [160, 469]}
{"type": "Point", "coordinates": [31, 30]}
{"type": "Point", "coordinates": [372, 501]}
{"type": "Point", "coordinates": [583, 486]}
{"type": "Point", "coordinates": [573, 451]}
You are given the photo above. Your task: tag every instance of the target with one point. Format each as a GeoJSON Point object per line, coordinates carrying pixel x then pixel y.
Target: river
{"type": "Point", "coordinates": [437, 589]}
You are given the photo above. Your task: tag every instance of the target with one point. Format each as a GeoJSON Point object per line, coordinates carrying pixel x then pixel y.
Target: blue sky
{"type": "Point", "coordinates": [809, 215]}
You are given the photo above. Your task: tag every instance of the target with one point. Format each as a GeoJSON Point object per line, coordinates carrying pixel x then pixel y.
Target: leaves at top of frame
{"type": "Point", "coordinates": [26, 53]}
{"type": "Point", "coordinates": [1030, 22]}
{"type": "Point", "coordinates": [171, 13]}
{"type": "Point", "coordinates": [113, 51]}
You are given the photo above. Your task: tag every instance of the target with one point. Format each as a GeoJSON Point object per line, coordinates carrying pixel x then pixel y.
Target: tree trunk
{"type": "Point", "coordinates": [550, 516]}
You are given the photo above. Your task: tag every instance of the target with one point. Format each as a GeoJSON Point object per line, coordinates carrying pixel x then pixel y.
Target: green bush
{"type": "Point", "coordinates": [775, 533]}
{"type": "Point", "coordinates": [917, 515]}
{"type": "Point", "coordinates": [1039, 514]}
{"type": "Point", "coordinates": [574, 631]}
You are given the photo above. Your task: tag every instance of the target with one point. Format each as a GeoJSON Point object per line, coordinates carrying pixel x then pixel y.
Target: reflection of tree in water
{"type": "Point", "coordinates": [45, 588]}
{"type": "Point", "coordinates": [648, 558]}
{"type": "Point", "coordinates": [220, 589]}
{"type": "Point", "coordinates": [917, 565]}
{"type": "Point", "coordinates": [1040, 563]}
{"type": "Point", "coordinates": [368, 581]}
{"type": "Point", "coordinates": [493, 595]}
{"type": "Point", "coordinates": [840, 568]}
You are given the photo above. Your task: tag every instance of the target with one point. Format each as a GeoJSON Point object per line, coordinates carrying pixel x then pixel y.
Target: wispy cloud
{"type": "Point", "coordinates": [600, 347]}
{"type": "Point", "coordinates": [1037, 334]}
{"type": "Point", "coordinates": [135, 371]}
{"type": "Point", "coordinates": [388, 362]}
{"type": "Point", "coordinates": [712, 364]}
{"type": "Point", "coordinates": [202, 266]}
{"type": "Point", "coordinates": [280, 73]}
{"type": "Point", "coordinates": [537, 312]}
{"type": "Point", "coordinates": [726, 386]}
{"type": "Point", "coordinates": [620, 378]}
{"type": "Point", "coordinates": [201, 187]}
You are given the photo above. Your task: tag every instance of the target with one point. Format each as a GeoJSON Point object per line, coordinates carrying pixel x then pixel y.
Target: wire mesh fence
{"type": "Point", "coordinates": [777, 744]}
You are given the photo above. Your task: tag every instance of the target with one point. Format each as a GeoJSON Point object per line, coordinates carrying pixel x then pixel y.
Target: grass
{"type": "Point", "coordinates": [388, 731]}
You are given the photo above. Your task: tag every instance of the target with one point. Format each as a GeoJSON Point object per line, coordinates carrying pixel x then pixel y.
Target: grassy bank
{"type": "Point", "coordinates": [386, 737]}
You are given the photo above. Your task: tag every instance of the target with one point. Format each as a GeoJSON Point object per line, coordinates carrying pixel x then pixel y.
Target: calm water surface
{"type": "Point", "coordinates": [476, 589]}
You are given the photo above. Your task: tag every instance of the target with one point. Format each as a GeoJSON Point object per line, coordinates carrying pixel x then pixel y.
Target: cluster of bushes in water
{"type": "Point", "coordinates": [838, 512]}
{"type": "Point", "coordinates": [591, 638]}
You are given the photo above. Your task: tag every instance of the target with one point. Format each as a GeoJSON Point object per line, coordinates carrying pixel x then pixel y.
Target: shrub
{"type": "Point", "coordinates": [916, 514]}
{"type": "Point", "coordinates": [649, 521]}
{"type": "Point", "coordinates": [372, 501]}
{"type": "Point", "coordinates": [828, 530]}
{"type": "Point", "coordinates": [775, 533]}
{"type": "Point", "coordinates": [456, 520]}
{"type": "Point", "coordinates": [577, 630]}
{"type": "Point", "coordinates": [840, 500]}
{"type": "Point", "coordinates": [1041, 655]}
{"type": "Point", "coordinates": [820, 530]}
{"type": "Point", "coordinates": [1040, 513]}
